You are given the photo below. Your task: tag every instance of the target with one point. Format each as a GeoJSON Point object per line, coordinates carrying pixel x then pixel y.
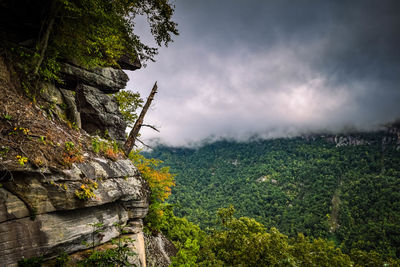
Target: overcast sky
{"type": "Point", "coordinates": [274, 69]}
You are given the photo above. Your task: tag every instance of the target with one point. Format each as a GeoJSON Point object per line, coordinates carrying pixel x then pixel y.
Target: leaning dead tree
{"type": "Point", "coordinates": [130, 142]}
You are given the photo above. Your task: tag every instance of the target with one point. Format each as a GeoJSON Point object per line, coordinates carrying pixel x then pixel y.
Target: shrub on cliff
{"type": "Point", "coordinates": [160, 181]}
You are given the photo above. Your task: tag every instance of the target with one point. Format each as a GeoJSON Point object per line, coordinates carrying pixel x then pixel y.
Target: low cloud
{"type": "Point", "coordinates": [225, 86]}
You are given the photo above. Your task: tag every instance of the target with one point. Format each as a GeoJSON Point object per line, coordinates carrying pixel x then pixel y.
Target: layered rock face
{"type": "Point", "coordinates": [40, 213]}
{"type": "Point", "coordinates": [47, 210]}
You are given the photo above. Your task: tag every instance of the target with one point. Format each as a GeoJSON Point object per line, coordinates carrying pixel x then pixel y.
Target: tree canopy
{"type": "Point", "coordinates": [347, 194]}
{"type": "Point", "coordinates": [99, 32]}
{"type": "Point", "coordinates": [89, 33]}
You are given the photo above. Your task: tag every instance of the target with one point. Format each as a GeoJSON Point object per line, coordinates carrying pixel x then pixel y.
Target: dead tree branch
{"type": "Point", "coordinates": [151, 126]}
{"type": "Point", "coordinates": [140, 141]}
{"type": "Point", "coordinates": [130, 142]}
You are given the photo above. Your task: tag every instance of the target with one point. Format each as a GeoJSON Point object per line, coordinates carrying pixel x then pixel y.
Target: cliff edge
{"type": "Point", "coordinates": [61, 182]}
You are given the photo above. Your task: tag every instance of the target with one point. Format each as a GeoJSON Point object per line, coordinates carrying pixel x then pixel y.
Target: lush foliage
{"type": "Point", "coordinates": [160, 181]}
{"type": "Point", "coordinates": [90, 33]}
{"type": "Point", "coordinates": [99, 32]}
{"type": "Point", "coordinates": [347, 194]}
{"type": "Point", "coordinates": [245, 242]}
{"type": "Point", "coordinates": [128, 103]}
{"type": "Point", "coordinates": [185, 235]}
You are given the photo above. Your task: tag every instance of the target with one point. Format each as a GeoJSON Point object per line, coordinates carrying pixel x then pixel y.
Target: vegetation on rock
{"type": "Point", "coordinates": [160, 181]}
{"type": "Point", "coordinates": [129, 102]}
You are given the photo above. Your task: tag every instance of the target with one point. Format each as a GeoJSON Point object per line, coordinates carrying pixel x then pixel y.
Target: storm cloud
{"type": "Point", "coordinates": [274, 69]}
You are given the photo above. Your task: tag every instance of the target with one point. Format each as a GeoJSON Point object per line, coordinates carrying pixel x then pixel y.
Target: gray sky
{"type": "Point", "coordinates": [274, 68]}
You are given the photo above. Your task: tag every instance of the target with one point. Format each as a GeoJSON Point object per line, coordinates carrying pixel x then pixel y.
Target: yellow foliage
{"type": "Point", "coordinates": [21, 160]}
{"type": "Point", "coordinates": [86, 191]}
{"type": "Point", "coordinates": [160, 181]}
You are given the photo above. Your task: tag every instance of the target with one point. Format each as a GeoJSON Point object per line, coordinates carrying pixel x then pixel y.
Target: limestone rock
{"type": "Point", "coordinates": [40, 213]}
{"type": "Point", "coordinates": [71, 109]}
{"type": "Point", "coordinates": [46, 210]}
{"type": "Point", "coordinates": [127, 63]}
{"type": "Point", "coordinates": [136, 209]}
{"type": "Point", "coordinates": [139, 246]}
{"type": "Point", "coordinates": [48, 192]}
{"type": "Point", "coordinates": [61, 103]}
{"type": "Point", "coordinates": [159, 250]}
{"type": "Point", "coordinates": [134, 227]}
{"type": "Point", "coordinates": [108, 80]}
{"type": "Point", "coordinates": [11, 207]}
{"type": "Point", "coordinates": [100, 113]}
{"type": "Point", "coordinates": [53, 233]}
{"type": "Point", "coordinates": [51, 93]}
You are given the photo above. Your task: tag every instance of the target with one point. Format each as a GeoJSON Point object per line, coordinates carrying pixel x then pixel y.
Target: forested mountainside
{"type": "Point", "coordinates": [343, 188]}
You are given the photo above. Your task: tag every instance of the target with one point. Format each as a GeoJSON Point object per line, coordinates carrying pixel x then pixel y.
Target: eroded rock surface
{"type": "Point", "coordinates": [159, 250]}
{"type": "Point", "coordinates": [100, 113]}
{"type": "Point", "coordinates": [85, 98]}
{"type": "Point", "coordinates": [40, 213]}
{"type": "Point", "coordinates": [109, 80]}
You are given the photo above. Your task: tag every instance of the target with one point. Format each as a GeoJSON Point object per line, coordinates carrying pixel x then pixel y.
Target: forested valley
{"type": "Point", "coordinates": [341, 190]}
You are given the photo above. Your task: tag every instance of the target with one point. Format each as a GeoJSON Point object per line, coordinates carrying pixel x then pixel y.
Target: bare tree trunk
{"type": "Point", "coordinates": [43, 47]}
{"type": "Point", "coordinates": [43, 42]}
{"type": "Point", "coordinates": [130, 142]}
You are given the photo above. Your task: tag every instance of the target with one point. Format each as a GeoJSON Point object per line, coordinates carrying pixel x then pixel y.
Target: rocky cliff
{"type": "Point", "coordinates": [388, 135]}
{"type": "Point", "coordinates": [54, 186]}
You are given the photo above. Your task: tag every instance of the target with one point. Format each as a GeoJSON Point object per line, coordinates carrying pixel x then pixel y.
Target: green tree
{"type": "Point", "coordinates": [245, 242]}
{"type": "Point", "coordinates": [129, 102]}
{"type": "Point", "coordinates": [290, 184]}
{"type": "Point", "coordinates": [99, 32]}
{"type": "Point", "coordinates": [91, 33]}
